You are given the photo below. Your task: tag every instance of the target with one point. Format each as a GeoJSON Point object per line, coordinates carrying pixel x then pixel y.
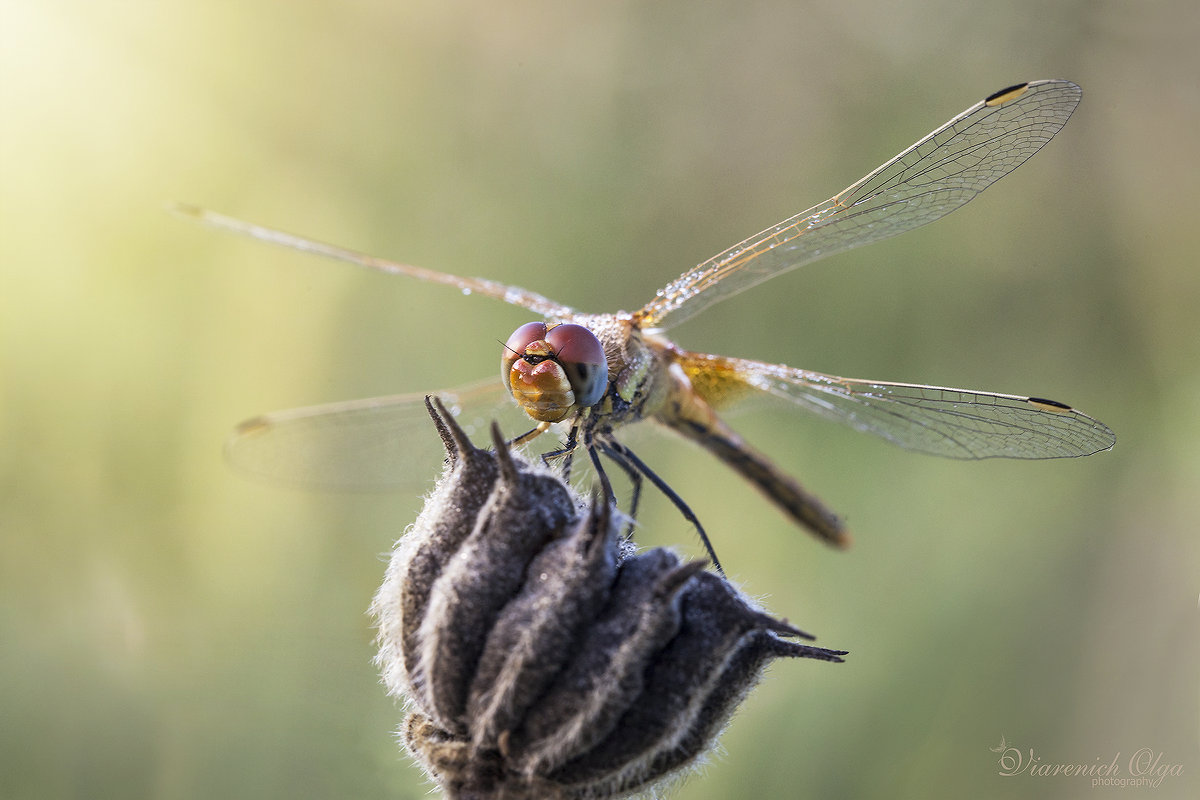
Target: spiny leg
{"type": "Point", "coordinates": [605, 484]}
{"type": "Point", "coordinates": [635, 479]}
{"type": "Point", "coordinates": [566, 452]}
{"type": "Point", "coordinates": [611, 446]}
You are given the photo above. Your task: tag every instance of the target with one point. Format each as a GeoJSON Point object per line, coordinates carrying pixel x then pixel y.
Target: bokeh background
{"type": "Point", "coordinates": [169, 629]}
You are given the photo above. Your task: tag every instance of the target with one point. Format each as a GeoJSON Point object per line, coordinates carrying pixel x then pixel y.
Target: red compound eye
{"type": "Point", "coordinates": [582, 357]}
{"type": "Point", "coordinates": [524, 336]}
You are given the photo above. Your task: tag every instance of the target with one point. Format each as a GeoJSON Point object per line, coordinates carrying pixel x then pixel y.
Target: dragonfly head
{"type": "Point", "coordinates": [553, 371]}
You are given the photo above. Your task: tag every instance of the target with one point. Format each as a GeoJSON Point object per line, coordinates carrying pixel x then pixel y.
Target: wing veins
{"type": "Point", "coordinates": [944, 421]}
{"type": "Point", "coordinates": [945, 415]}
{"type": "Point", "coordinates": [513, 295]}
{"type": "Point", "coordinates": [967, 154]}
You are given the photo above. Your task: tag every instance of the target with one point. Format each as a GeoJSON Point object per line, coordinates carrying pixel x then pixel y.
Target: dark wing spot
{"type": "Point", "coordinates": [1048, 405]}
{"type": "Point", "coordinates": [1005, 95]}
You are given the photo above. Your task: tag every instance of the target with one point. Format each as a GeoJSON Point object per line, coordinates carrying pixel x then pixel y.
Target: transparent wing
{"type": "Point", "coordinates": [953, 423]}
{"type": "Point", "coordinates": [382, 442]}
{"type": "Point", "coordinates": [513, 295]}
{"type": "Point", "coordinates": [927, 181]}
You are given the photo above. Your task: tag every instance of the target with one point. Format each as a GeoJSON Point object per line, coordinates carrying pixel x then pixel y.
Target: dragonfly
{"type": "Point", "coordinates": [587, 376]}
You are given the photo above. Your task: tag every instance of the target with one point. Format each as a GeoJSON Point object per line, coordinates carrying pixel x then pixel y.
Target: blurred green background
{"type": "Point", "coordinates": [170, 629]}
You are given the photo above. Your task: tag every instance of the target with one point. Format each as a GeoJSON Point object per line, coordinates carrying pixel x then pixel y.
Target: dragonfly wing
{"type": "Point", "coordinates": [928, 180]}
{"type": "Point", "coordinates": [513, 295]}
{"type": "Point", "coordinates": [953, 423]}
{"type": "Point", "coordinates": [378, 443]}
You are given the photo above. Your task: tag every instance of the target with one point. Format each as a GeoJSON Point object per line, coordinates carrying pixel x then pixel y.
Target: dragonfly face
{"type": "Point", "coordinates": [598, 372]}
{"type": "Point", "coordinates": [554, 371]}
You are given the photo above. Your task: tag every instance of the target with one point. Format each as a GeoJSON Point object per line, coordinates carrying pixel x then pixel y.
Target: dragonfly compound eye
{"type": "Point", "coordinates": [582, 357]}
{"type": "Point", "coordinates": [522, 338]}
{"type": "Point", "coordinates": [540, 657]}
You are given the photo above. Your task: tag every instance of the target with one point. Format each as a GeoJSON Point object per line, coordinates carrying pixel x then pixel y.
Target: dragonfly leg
{"type": "Point", "coordinates": [635, 479]}
{"type": "Point", "coordinates": [619, 452]}
{"type": "Point", "coordinates": [530, 435]}
{"type": "Point", "coordinates": [566, 452]}
{"type": "Point", "coordinates": [590, 445]}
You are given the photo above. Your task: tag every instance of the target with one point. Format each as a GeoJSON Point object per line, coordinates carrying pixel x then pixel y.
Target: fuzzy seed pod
{"type": "Point", "coordinates": [541, 658]}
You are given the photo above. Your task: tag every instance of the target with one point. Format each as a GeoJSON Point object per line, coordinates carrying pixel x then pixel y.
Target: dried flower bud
{"type": "Point", "coordinates": [539, 656]}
